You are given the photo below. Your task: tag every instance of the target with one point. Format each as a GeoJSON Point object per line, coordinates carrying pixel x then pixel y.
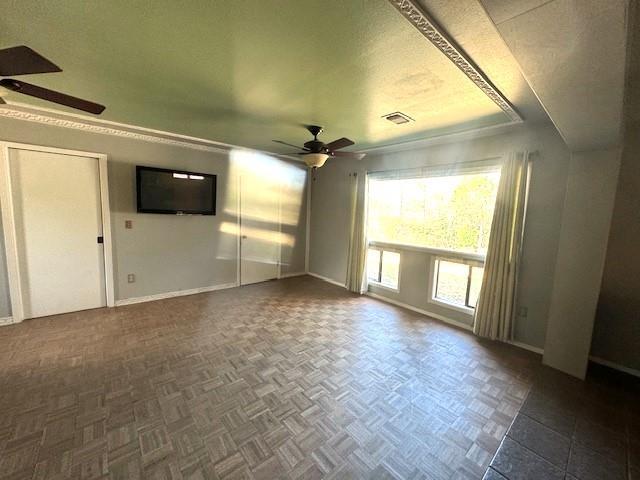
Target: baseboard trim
{"type": "Point", "coordinates": [4, 321]}
{"type": "Point", "coordinates": [526, 346]}
{"type": "Point", "coordinates": [294, 274]}
{"type": "Point", "coordinates": [442, 318]}
{"type": "Point", "coordinates": [615, 366]}
{"type": "Point", "coordinates": [179, 293]}
{"type": "Point", "coordinates": [327, 279]}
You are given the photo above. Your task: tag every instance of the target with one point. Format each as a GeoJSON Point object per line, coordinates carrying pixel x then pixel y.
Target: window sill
{"type": "Point", "coordinates": [382, 285]}
{"type": "Point", "coordinates": [452, 306]}
{"type": "Point", "coordinates": [431, 251]}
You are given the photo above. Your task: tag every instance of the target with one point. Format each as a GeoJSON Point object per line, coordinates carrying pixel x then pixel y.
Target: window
{"type": "Point", "coordinates": [457, 282]}
{"type": "Point", "coordinates": [383, 267]}
{"type": "Point", "coordinates": [445, 215]}
{"type": "Point", "coordinates": [448, 212]}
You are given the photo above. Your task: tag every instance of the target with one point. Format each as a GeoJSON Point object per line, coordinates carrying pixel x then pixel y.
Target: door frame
{"type": "Point", "coordinates": [9, 226]}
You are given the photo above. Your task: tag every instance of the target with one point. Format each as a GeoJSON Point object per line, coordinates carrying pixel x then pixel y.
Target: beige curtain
{"type": "Point", "coordinates": [357, 242]}
{"type": "Point", "coordinates": [496, 303]}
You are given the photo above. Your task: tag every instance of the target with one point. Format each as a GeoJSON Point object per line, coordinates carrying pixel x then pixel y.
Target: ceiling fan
{"type": "Point", "coordinates": [315, 153]}
{"type": "Point", "coordinates": [24, 61]}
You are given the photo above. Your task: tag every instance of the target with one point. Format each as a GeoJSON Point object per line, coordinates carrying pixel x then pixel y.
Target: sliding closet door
{"type": "Point", "coordinates": [259, 229]}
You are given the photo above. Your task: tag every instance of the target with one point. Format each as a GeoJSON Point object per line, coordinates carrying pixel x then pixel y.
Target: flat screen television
{"type": "Point", "coordinates": [175, 192]}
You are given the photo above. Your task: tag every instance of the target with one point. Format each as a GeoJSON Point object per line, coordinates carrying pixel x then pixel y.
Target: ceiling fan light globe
{"type": "Point", "coordinates": [315, 159]}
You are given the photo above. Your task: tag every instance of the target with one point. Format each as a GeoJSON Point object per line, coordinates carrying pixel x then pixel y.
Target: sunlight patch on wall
{"type": "Point", "coordinates": [271, 188]}
{"type": "Point", "coordinates": [264, 198]}
{"type": "Point", "coordinates": [263, 235]}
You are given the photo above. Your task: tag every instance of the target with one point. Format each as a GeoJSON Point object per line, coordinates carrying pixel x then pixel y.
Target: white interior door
{"type": "Point", "coordinates": [259, 229]}
{"type": "Point", "coordinates": [57, 213]}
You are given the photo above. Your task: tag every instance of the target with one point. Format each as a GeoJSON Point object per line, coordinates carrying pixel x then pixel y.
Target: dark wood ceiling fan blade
{"type": "Point", "coordinates": [290, 145]}
{"type": "Point", "coordinates": [354, 155]}
{"type": "Point", "coordinates": [22, 60]}
{"type": "Point", "coordinates": [52, 96]}
{"type": "Point", "coordinates": [340, 143]}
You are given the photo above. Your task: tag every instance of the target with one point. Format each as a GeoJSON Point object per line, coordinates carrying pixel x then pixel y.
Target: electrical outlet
{"type": "Point", "coordinates": [128, 224]}
{"type": "Point", "coordinates": [523, 312]}
{"type": "Point", "coordinates": [131, 278]}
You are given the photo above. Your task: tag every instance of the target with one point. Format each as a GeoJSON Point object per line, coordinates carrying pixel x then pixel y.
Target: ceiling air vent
{"type": "Point", "coordinates": [398, 118]}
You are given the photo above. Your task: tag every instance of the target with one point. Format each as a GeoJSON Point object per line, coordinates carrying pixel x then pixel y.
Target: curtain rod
{"type": "Point", "coordinates": [534, 154]}
{"type": "Point", "coordinates": [441, 166]}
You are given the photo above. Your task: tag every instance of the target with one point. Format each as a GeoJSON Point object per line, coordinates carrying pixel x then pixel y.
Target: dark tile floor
{"type": "Point", "coordinates": [569, 429]}
{"type": "Point", "coordinates": [292, 379]}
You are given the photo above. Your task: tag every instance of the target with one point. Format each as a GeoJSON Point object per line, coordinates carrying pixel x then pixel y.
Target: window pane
{"type": "Point", "coordinates": [390, 269]}
{"type": "Point", "coordinates": [476, 283]}
{"type": "Point", "coordinates": [449, 212]}
{"type": "Point", "coordinates": [373, 264]}
{"type": "Point", "coordinates": [452, 282]}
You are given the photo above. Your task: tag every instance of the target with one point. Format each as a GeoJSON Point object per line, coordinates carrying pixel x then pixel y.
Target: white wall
{"type": "Point", "coordinates": [166, 252]}
{"type": "Point", "coordinates": [330, 219]}
{"type": "Point", "coordinates": [586, 219]}
{"type": "Point", "coordinates": [616, 335]}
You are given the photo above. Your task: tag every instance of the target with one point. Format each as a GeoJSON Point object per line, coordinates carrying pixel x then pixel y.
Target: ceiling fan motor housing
{"type": "Point", "coordinates": [315, 146]}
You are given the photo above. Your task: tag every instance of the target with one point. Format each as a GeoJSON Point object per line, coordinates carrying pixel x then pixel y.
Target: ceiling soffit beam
{"type": "Point", "coordinates": [436, 35]}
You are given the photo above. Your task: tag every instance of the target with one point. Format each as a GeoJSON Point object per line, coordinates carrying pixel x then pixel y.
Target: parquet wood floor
{"type": "Point", "coordinates": [283, 380]}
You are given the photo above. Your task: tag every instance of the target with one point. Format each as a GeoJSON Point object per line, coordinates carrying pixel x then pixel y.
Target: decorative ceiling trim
{"type": "Point", "coordinates": [436, 35]}
{"type": "Point", "coordinates": [55, 118]}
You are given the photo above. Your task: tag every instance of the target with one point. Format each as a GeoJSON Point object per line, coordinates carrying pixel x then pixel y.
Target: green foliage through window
{"type": "Point", "coordinates": [448, 212]}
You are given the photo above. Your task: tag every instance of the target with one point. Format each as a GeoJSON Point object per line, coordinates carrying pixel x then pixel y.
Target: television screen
{"type": "Point", "coordinates": [175, 191]}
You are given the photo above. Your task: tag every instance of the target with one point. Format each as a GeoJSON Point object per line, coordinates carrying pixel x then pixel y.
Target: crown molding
{"type": "Point", "coordinates": [446, 138]}
{"type": "Point", "coordinates": [56, 118]}
{"type": "Point", "coordinates": [46, 116]}
{"type": "Point", "coordinates": [437, 36]}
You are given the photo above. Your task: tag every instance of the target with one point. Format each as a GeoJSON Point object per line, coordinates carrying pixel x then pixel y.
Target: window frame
{"type": "Point", "coordinates": [378, 283]}
{"type": "Point", "coordinates": [487, 165]}
{"type": "Point", "coordinates": [433, 279]}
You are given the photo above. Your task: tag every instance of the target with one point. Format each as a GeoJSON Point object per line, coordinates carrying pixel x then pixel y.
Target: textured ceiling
{"type": "Point", "coordinates": [245, 72]}
{"type": "Point", "coordinates": [572, 53]}
{"type": "Point", "coordinates": [467, 22]}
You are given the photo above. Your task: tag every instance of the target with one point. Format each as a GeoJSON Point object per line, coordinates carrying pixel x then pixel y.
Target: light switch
{"type": "Point", "coordinates": [131, 278]}
{"type": "Point", "coordinates": [128, 224]}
